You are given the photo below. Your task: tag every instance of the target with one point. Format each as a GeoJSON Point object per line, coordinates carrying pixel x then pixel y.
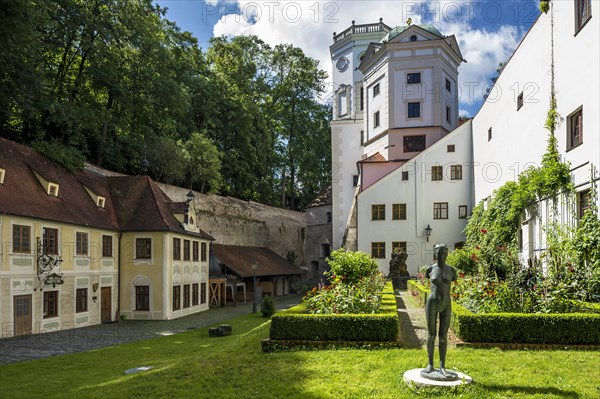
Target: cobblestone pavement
{"type": "Point", "coordinates": [413, 328]}
{"type": "Point", "coordinates": [83, 339]}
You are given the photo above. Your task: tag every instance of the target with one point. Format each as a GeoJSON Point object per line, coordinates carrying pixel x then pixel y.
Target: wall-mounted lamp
{"type": "Point", "coordinates": [54, 279]}
{"type": "Point", "coordinates": [46, 263]}
{"type": "Point", "coordinates": [428, 232]}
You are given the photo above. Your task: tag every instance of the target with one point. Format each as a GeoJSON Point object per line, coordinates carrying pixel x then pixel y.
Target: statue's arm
{"type": "Point", "coordinates": [428, 272]}
{"type": "Point", "coordinates": [454, 274]}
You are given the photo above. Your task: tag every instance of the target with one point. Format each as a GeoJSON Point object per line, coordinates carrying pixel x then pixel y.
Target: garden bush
{"type": "Point", "coordinates": [362, 297]}
{"type": "Point", "coordinates": [296, 324]}
{"type": "Point", "coordinates": [355, 286]}
{"type": "Point", "coordinates": [352, 266]}
{"type": "Point", "coordinates": [418, 291]}
{"type": "Point", "coordinates": [559, 328]}
{"type": "Point", "coordinates": [267, 307]}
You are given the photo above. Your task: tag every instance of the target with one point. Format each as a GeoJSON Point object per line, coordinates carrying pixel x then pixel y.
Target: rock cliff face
{"type": "Point", "coordinates": [236, 222]}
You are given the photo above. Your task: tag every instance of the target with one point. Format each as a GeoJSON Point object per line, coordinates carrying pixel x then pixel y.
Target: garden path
{"type": "Point", "coordinates": [413, 330]}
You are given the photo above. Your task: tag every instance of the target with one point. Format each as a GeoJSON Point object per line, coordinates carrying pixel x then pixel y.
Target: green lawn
{"type": "Point", "coordinates": [192, 365]}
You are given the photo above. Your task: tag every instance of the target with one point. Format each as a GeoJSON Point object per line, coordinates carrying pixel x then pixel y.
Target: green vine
{"type": "Point", "coordinates": [545, 6]}
{"type": "Point", "coordinates": [491, 234]}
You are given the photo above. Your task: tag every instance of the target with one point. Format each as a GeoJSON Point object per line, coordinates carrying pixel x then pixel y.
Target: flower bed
{"type": "Point", "coordinates": [296, 324]}
{"type": "Point", "coordinates": [558, 328]}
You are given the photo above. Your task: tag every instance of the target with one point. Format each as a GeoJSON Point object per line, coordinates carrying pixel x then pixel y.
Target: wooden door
{"type": "Point", "coordinates": [105, 305]}
{"type": "Point", "coordinates": [22, 311]}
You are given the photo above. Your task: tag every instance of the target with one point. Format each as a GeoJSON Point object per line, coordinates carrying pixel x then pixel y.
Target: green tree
{"type": "Point", "coordinates": [298, 118]}
{"type": "Point", "coordinates": [202, 163]}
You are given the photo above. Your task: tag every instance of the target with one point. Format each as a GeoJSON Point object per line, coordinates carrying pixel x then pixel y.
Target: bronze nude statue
{"type": "Point", "coordinates": [441, 276]}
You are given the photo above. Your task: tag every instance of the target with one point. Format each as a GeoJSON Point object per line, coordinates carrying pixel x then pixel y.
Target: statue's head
{"type": "Point", "coordinates": [399, 254]}
{"type": "Point", "coordinates": [441, 252]}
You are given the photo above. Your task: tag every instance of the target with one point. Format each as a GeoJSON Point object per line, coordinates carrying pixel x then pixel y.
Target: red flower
{"type": "Point", "coordinates": [477, 247]}
{"type": "Point", "coordinates": [484, 231]}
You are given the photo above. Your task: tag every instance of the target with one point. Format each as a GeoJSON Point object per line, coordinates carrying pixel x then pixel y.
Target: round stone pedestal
{"type": "Point", "coordinates": [413, 377]}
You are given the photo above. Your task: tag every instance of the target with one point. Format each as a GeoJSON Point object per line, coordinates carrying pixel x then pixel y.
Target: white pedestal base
{"type": "Point", "coordinates": [413, 377]}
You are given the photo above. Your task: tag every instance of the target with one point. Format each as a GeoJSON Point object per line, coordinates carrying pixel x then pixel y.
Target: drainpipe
{"type": "Point", "coordinates": [1, 249]}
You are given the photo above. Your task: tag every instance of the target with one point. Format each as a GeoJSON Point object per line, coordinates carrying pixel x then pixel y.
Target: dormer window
{"type": "Point", "coordinates": [53, 189]}
{"type": "Point", "coordinates": [100, 202]}
{"type": "Point", "coordinates": [191, 220]}
{"type": "Point", "coordinates": [2, 174]}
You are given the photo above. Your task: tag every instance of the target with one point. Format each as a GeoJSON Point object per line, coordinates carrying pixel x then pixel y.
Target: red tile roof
{"type": "Point", "coordinates": [377, 157]}
{"type": "Point", "coordinates": [142, 206]}
{"type": "Point", "coordinates": [239, 260]}
{"type": "Point", "coordinates": [23, 195]}
{"type": "Point", "coordinates": [133, 203]}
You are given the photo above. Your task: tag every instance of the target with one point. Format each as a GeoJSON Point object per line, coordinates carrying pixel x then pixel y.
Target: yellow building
{"type": "Point", "coordinates": [164, 255]}
{"type": "Point", "coordinates": [79, 249]}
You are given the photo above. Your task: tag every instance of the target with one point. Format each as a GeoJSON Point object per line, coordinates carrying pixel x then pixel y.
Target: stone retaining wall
{"type": "Point", "coordinates": [236, 222]}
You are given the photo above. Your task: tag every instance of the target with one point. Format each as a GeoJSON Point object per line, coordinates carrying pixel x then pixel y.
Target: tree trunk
{"type": "Point", "coordinates": [104, 131]}
{"type": "Point", "coordinates": [283, 182]}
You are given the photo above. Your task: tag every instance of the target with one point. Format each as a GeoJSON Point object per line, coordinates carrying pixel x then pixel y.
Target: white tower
{"type": "Point", "coordinates": [347, 51]}
{"type": "Point", "coordinates": [396, 94]}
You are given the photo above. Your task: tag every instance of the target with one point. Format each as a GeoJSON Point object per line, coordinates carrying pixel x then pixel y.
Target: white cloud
{"type": "Point", "coordinates": [310, 25]}
{"type": "Point", "coordinates": [483, 50]}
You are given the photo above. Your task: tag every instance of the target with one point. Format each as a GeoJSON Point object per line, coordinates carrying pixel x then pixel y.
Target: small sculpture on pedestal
{"type": "Point", "coordinates": [398, 268]}
{"type": "Point", "coordinates": [439, 303]}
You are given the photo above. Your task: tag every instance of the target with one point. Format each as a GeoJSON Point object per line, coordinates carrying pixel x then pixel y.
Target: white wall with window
{"type": "Point", "coordinates": [508, 131]}
{"type": "Point", "coordinates": [399, 207]}
{"type": "Point", "coordinates": [518, 135]}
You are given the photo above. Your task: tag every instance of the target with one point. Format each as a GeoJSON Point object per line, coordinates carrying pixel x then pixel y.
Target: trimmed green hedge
{"type": "Point", "coordinates": [295, 324]}
{"type": "Point", "coordinates": [418, 291]}
{"type": "Point", "coordinates": [558, 328]}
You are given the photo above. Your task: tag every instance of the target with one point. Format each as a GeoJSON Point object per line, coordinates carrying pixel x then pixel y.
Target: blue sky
{"type": "Point", "coordinates": [487, 31]}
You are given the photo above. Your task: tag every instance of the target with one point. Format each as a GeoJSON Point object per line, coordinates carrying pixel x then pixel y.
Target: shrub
{"type": "Point", "coordinates": [565, 328]}
{"type": "Point", "coordinates": [418, 291]}
{"type": "Point", "coordinates": [464, 260]}
{"type": "Point", "coordinates": [351, 265]}
{"type": "Point", "coordinates": [296, 324]}
{"type": "Point", "coordinates": [267, 307]}
{"type": "Point", "coordinates": [339, 297]}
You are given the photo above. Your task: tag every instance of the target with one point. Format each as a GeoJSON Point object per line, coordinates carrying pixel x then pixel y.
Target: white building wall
{"type": "Point", "coordinates": [577, 70]}
{"type": "Point", "coordinates": [419, 193]}
{"type": "Point", "coordinates": [405, 93]}
{"type": "Point", "coordinates": [346, 131]}
{"type": "Point", "coordinates": [378, 103]}
{"type": "Point", "coordinates": [518, 136]}
{"type": "Point", "coordinates": [346, 151]}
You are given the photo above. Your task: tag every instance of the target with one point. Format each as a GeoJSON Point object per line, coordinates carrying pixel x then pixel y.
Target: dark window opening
{"type": "Point", "coordinates": [414, 110]}
{"type": "Point", "coordinates": [413, 78]}
{"type": "Point", "coordinates": [414, 143]}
